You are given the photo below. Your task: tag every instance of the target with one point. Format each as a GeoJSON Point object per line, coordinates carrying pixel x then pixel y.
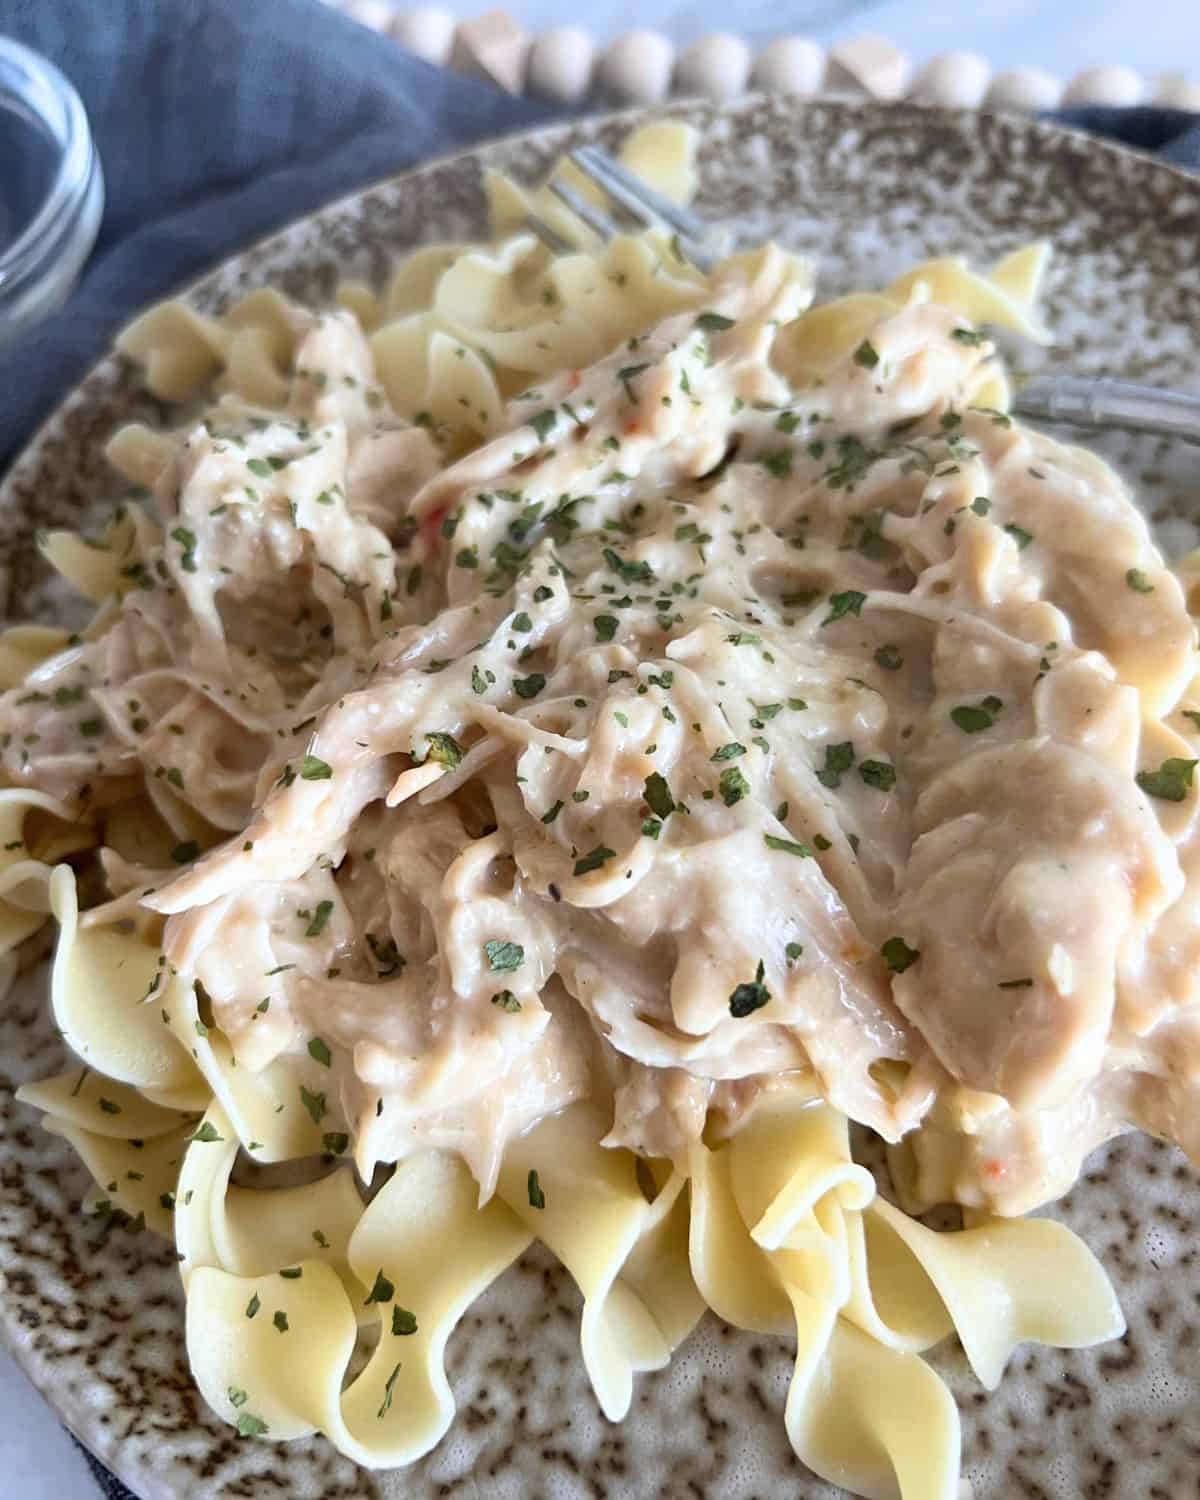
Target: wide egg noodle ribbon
{"type": "Point", "coordinates": [98, 569]}
{"type": "Point", "coordinates": [137, 1176]}
{"type": "Point", "coordinates": [179, 350]}
{"type": "Point", "coordinates": [256, 1231]}
{"type": "Point", "coordinates": [283, 1111]}
{"type": "Point", "coordinates": [1003, 1283]}
{"type": "Point", "coordinates": [735, 1276]}
{"type": "Point", "coordinates": [787, 1157]}
{"type": "Point", "coordinates": [662, 154]}
{"type": "Point", "coordinates": [132, 1147]}
{"type": "Point", "coordinates": [874, 1420]}
{"type": "Point", "coordinates": [584, 1202]}
{"type": "Point", "coordinates": [289, 1356]}
{"type": "Point", "coordinates": [793, 1182]}
{"type": "Point", "coordinates": [1005, 295]}
{"type": "Point", "coordinates": [787, 1176]}
{"type": "Point", "coordinates": [892, 1298]}
{"type": "Point", "coordinates": [24, 647]}
{"type": "Point", "coordinates": [24, 881]}
{"type": "Point", "coordinates": [658, 1267]}
{"type": "Point", "coordinates": [87, 1100]}
{"type": "Point", "coordinates": [100, 983]}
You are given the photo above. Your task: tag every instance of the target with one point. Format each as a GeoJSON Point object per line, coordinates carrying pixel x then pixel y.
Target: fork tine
{"type": "Point", "coordinates": [581, 208]}
{"type": "Point", "coordinates": [644, 203]}
{"type": "Point", "coordinates": [553, 241]}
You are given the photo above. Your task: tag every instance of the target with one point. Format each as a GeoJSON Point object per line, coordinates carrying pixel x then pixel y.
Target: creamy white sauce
{"type": "Point", "coordinates": [694, 737]}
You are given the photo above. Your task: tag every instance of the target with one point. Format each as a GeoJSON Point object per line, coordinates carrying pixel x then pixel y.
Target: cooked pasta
{"type": "Point", "coordinates": [567, 736]}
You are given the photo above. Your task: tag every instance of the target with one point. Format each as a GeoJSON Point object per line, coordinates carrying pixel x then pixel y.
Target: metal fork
{"type": "Point", "coordinates": [1079, 400]}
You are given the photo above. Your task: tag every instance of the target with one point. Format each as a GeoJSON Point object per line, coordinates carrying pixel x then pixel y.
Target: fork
{"type": "Point", "coordinates": [1078, 400]}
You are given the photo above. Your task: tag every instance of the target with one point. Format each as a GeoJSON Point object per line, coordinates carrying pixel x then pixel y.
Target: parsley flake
{"type": "Point", "coordinates": [382, 1291]}
{"type": "Point", "coordinates": [971, 719]}
{"type": "Point", "coordinates": [898, 955]}
{"type": "Point", "coordinates": [1019, 535]}
{"type": "Point", "coordinates": [747, 998]}
{"type": "Point", "coordinates": [388, 1387]}
{"type": "Point", "coordinates": [321, 914]}
{"type": "Point", "coordinates": [626, 376]}
{"type": "Point", "coordinates": [848, 603]}
{"type": "Point", "coordinates": [315, 1105]}
{"type": "Point", "coordinates": [787, 846]}
{"type": "Point", "coordinates": [594, 859]}
{"type": "Point", "coordinates": [444, 749]}
{"type": "Point", "coordinates": [878, 773]}
{"type": "Point", "coordinates": [1171, 782]}
{"type": "Point", "coordinates": [658, 795]}
{"type": "Point", "coordinates": [503, 957]}
{"type": "Point", "coordinates": [838, 758]}
{"type": "Point", "coordinates": [889, 658]}
{"type": "Point", "coordinates": [733, 786]}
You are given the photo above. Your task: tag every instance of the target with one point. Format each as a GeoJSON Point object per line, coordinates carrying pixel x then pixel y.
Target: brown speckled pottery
{"type": "Point", "coordinates": [95, 1314]}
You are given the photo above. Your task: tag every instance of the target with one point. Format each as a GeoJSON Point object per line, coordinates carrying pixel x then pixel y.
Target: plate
{"type": "Point", "coordinates": [95, 1316]}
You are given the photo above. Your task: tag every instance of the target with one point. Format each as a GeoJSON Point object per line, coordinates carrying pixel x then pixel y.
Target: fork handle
{"type": "Point", "coordinates": [1087, 402]}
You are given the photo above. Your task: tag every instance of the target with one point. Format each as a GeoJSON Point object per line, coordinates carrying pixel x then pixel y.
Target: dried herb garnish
{"type": "Point", "coordinates": [657, 795]}
{"type": "Point", "coordinates": [1171, 782]}
{"type": "Point", "coordinates": [502, 956]}
{"type": "Point", "coordinates": [898, 955]}
{"type": "Point", "coordinates": [747, 998]}
{"type": "Point", "coordinates": [595, 859]}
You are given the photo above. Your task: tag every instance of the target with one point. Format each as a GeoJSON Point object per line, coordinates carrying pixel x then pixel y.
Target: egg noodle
{"type": "Point", "coordinates": [565, 737]}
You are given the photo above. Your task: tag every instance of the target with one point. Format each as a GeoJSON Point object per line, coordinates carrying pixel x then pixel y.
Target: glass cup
{"type": "Point", "coordinates": [51, 190]}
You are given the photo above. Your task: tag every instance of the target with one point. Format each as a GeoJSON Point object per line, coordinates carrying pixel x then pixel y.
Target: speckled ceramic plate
{"type": "Point", "coordinates": [96, 1316]}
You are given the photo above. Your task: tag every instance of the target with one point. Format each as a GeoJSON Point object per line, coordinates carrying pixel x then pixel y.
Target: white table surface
{"type": "Point", "coordinates": [37, 1460]}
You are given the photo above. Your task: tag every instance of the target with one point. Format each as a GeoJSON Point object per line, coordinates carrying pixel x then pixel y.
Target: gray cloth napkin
{"type": "Point", "coordinates": [220, 120]}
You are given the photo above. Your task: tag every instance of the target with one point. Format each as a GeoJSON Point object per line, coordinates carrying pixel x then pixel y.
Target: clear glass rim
{"type": "Point", "coordinates": [43, 90]}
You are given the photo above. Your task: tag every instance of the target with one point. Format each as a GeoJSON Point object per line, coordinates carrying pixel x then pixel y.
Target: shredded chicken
{"type": "Point", "coordinates": [693, 738]}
